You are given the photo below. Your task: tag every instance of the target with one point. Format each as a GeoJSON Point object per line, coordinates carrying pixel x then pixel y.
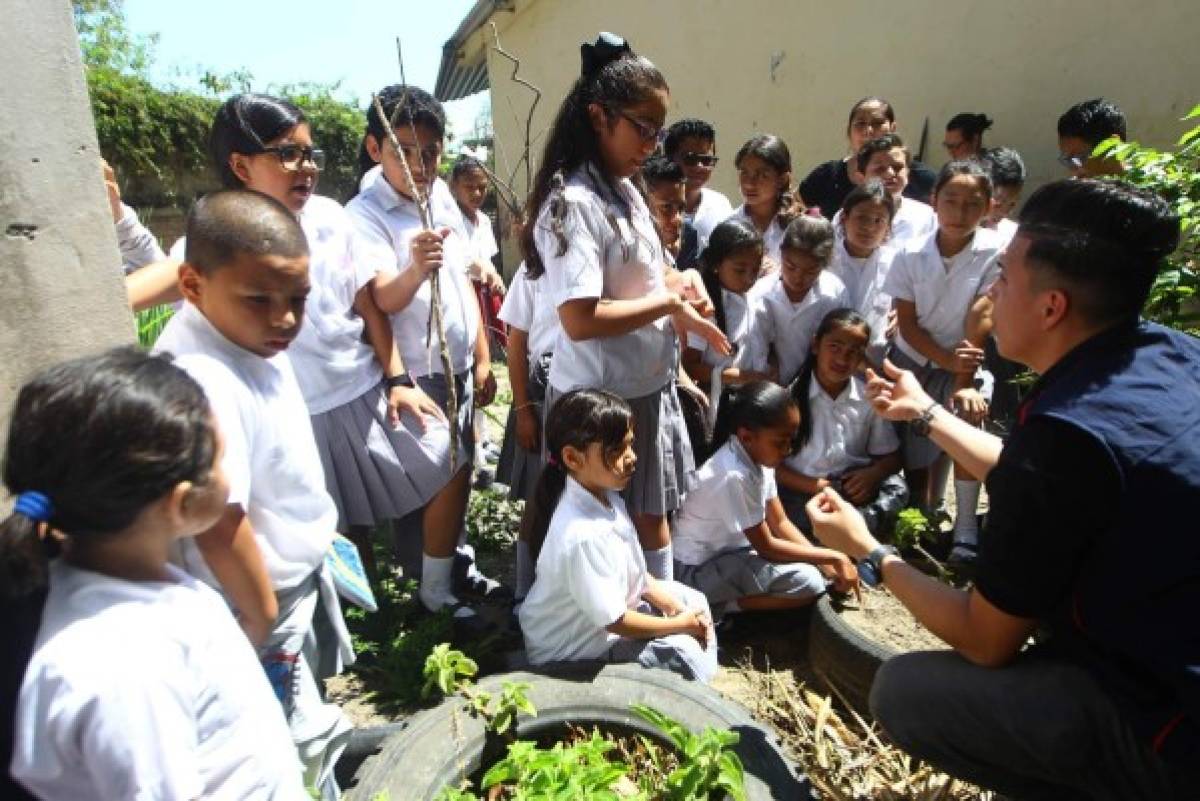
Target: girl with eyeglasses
{"type": "Point", "coordinates": [592, 236]}
{"type": "Point", "coordinates": [829, 183]}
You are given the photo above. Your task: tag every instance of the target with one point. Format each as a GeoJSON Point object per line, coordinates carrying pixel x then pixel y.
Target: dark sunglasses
{"type": "Point", "coordinates": [293, 157]}
{"type": "Point", "coordinates": [700, 159]}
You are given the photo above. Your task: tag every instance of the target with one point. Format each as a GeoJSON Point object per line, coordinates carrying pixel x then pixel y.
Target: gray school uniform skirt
{"type": "Point", "coordinates": [665, 466]}
{"type": "Point", "coordinates": [741, 572]}
{"type": "Point", "coordinates": [921, 452]}
{"type": "Point", "coordinates": [518, 468]}
{"type": "Point", "coordinates": [375, 472]}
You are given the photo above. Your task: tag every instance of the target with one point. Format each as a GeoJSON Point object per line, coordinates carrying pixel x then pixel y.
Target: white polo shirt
{"type": "Point", "coordinates": [713, 209]}
{"type": "Point", "coordinates": [742, 314]}
{"type": "Point", "coordinates": [913, 220]}
{"type": "Point", "coordinates": [942, 289]}
{"type": "Point", "coordinates": [386, 224]}
{"type": "Point", "coordinates": [607, 256]}
{"type": "Point", "coordinates": [730, 496]}
{"type": "Point", "coordinates": [772, 237]}
{"type": "Point", "coordinates": [527, 308]}
{"type": "Point", "coordinates": [271, 459]}
{"type": "Point", "coordinates": [864, 280]}
{"type": "Point", "coordinates": [147, 689]}
{"type": "Point", "coordinates": [846, 432]}
{"type": "Point", "coordinates": [790, 327]}
{"type": "Point", "coordinates": [480, 236]}
{"type": "Point", "coordinates": [589, 573]}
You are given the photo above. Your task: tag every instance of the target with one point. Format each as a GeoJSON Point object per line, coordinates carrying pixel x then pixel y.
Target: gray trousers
{"type": "Point", "coordinates": [1037, 729]}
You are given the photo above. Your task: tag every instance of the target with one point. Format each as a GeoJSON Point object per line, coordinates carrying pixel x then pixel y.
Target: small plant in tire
{"type": "Point", "coordinates": [585, 767]}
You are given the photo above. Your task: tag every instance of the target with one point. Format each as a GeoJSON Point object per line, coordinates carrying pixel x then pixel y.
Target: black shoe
{"type": "Point", "coordinates": [474, 585]}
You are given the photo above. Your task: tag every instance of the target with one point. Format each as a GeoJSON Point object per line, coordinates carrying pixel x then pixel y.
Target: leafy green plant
{"type": "Point", "coordinates": [151, 322]}
{"type": "Point", "coordinates": [913, 530]}
{"type": "Point", "coordinates": [447, 670]}
{"type": "Point", "coordinates": [1175, 175]}
{"type": "Point", "coordinates": [580, 770]}
{"type": "Point", "coordinates": [450, 671]}
{"type": "Point", "coordinates": [707, 761]}
{"type": "Point", "coordinates": [493, 520]}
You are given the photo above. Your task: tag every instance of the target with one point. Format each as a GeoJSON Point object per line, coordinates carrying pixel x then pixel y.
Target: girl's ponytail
{"type": "Point", "coordinates": [755, 405]}
{"type": "Point", "coordinates": [578, 419]}
{"type": "Point", "coordinates": [24, 555]}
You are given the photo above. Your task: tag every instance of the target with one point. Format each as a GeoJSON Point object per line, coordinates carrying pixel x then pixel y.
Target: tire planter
{"type": "Point", "coordinates": [843, 657]}
{"type": "Point", "coordinates": [438, 747]}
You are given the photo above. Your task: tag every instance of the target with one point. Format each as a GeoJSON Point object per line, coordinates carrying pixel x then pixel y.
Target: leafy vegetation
{"type": "Point", "coordinates": [1175, 175]}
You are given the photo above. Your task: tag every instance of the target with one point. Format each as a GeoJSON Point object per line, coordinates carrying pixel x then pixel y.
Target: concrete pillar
{"type": "Point", "coordinates": [61, 289]}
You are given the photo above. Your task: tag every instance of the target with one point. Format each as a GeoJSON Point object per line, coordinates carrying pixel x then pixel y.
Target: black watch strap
{"type": "Point", "coordinates": [399, 380]}
{"type": "Point", "coordinates": [870, 568]}
{"type": "Point", "coordinates": [920, 424]}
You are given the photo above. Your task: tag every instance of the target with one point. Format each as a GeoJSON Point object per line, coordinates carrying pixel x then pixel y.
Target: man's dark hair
{"type": "Point", "coordinates": [224, 224]}
{"type": "Point", "coordinates": [1005, 165]}
{"type": "Point", "coordinates": [660, 169]}
{"type": "Point", "coordinates": [1093, 121]}
{"type": "Point", "coordinates": [1103, 241]}
{"type": "Point", "coordinates": [419, 108]}
{"type": "Point", "coordinates": [691, 127]}
{"type": "Point", "coordinates": [880, 144]}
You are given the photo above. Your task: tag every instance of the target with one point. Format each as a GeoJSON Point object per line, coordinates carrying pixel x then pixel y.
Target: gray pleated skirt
{"type": "Point", "coordinates": [518, 468]}
{"type": "Point", "coordinates": [373, 471]}
{"type": "Point", "coordinates": [666, 469]}
{"type": "Point", "coordinates": [921, 452]}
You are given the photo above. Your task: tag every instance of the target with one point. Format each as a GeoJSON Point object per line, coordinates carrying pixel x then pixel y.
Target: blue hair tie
{"type": "Point", "coordinates": [34, 505]}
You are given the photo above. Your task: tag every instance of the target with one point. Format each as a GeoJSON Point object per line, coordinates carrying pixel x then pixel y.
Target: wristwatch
{"type": "Point", "coordinates": [920, 424]}
{"type": "Point", "coordinates": [399, 380]}
{"type": "Point", "coordinates": [870, 568]}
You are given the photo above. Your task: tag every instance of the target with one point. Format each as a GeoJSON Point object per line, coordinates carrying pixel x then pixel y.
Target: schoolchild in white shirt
{"type": "Point", "coordinates": [393, 238]}
{"type": "Point", "coordinates": [532, 333]}
{"type": "Point", "coordinates": [733, 540]}
{"type": "Point", "coordinates": [794, 301]}
{"type": "Point", "coordinates": [245, 282]}
{"type": "Point", "coordinates": [692, 144]}
{"type": "Point", "coordinates": [140, 683]}
{"type": "Point", "coordinates": [841, 441]}
{"type": "Point", "coordinates": [764, 168]}
{"type": "Point", "coordinates": [935, 284]}
{"type": "Point", "coordinates": [887, 159]}
{"type": "Point", "coordinates": [379, 442]}
{"type": "Point", "coordinates": [591, 234]}
{"type": "Point", "coordinates": [592, 597]}
{"type": "Point", "coordinates": [862, 258]}
{"type": "Point", "coordinates": [1008, 181]}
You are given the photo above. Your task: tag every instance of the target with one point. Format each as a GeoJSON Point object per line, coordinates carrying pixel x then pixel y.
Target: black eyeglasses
{"type": "Point", "coordinates": [700, 159]}
{"type": "Point", "coordinates": [293, 157]}
{"type": "Point", "coordinates": [648, 133]}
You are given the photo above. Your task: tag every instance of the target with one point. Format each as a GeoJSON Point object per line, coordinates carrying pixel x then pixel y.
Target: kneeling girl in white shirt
{"type": "Point", "coordinates": [592, 597]}
{"type": "Point", "coordinates": [733, 540]}
{"type": "Point", "coordinates": [140, 683]}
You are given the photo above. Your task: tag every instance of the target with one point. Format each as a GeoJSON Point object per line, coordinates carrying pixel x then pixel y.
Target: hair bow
{"type": "Point", "coordinates": [607, 48]}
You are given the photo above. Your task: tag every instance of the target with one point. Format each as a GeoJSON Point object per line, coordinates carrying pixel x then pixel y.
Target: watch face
{"type": "Point", "coordinates": [920, 426]}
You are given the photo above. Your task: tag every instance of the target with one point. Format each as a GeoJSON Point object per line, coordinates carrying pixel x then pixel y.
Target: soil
{"type": "Point", "coordinates": [882, 618]}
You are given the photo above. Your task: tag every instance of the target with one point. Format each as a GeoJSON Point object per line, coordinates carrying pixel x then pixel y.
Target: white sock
{"type": "Point", "coordinates": [435, 582]}
{"type": "Point", "coordinates": [658, 563]}
{"type": "Point", "coordinates": [524, 569]}
{"type": "Point", "coordinates": [966, 503]}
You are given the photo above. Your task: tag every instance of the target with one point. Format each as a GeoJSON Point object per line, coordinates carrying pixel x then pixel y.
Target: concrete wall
{"type": "Point", "coordinates": [1023, 62]}
{"type": "Point", "coordinates": [61, 292]}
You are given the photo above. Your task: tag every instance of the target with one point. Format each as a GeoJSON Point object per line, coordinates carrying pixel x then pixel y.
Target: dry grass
{"type": "Point", "coordinates": [844, 760]}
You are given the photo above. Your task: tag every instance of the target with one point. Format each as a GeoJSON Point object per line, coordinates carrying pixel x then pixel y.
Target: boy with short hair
{"type": "Point", "coordinates": [1008, 180]}
{"type": "Point", "coordinates": [406, 253]}
{"type": "Point", "coordinates": [666, 197]}
{"type": "Point", "coordinates": [245, 280]}
{"type": "Point", "coordinates": [1082, 127]}
{"type": "Point", "coordinates": [692, 144]}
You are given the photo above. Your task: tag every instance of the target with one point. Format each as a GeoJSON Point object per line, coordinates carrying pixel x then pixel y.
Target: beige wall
{"type": "Point", "coordinates": [1023, 62]}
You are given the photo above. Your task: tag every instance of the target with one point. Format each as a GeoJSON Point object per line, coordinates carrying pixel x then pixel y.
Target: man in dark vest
{"type": "Point", "coordinates": [1091, 545]}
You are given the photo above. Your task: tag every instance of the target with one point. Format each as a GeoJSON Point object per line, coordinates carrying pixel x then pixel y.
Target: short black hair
{"type": "Point", "coordinates": [419, 108]}
{"type": "Point", "coordinates": [972, 125]}
{"type": "Point", "coordinates": [1093, 121]}
{"type": "Point", "coordinates": [244, 124]}
{"type": "Point", "coordinates": [1104, 241]}
{"type": "Point", "coordinates": [1005, 165]}
{"type": "Point", "coordinates": [683, 129]}
{"type": "Point", "coordinates": [660, 170]}
{"type": "Point", "coordinates": [465, 164]}
{"type": "Point", "coordinates": [968, 167]}
{"type": "Point", "coordinates": [881, 144]}
{"type": "Point", "coordinates": [223, 224]}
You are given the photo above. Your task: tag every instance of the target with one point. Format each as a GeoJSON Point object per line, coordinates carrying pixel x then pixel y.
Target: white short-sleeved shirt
{"type": "Point", "coordinates": [1007, 229]}
{"type": "Point", "coordinates": [527, 308]}
{"type": "Point", "coordinates": [386, 224]}
{"type": "Point", "coordinates": [147, 690]}
{"type": "Point", "coordinates": [589, 573]}
{"type": "Point", "coordinates": [440, 197]}
{"type": "Point", "coordinates": [333, 364]}
{"type": "Point", "coordinates": [138, 246]}
{"type": "Point", "coordinates": [621, 263]}
{"type": "Point", "coordinates": [743, 314]}
{"type": "Point", "coordinates": [271, 458]}
{"type": "Point", "coordinates": [730, 496]}
{"type": "Point", "coordinates": [790, 327]}
{"type": "Point", "coordinates": [713, 209]}
{"type": "Point", "coordinates": [481, 238]}
{"type": "Point", "coordinates": [942, 290]}
{"type": "Point", "coordinates": [846, 432]}
{"type": "Point", "coordinates": [864, 280]}
{"type": "Point", "coordinates": [913, 220]}
{"type": "Point", "coordinates": [772, 237]}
